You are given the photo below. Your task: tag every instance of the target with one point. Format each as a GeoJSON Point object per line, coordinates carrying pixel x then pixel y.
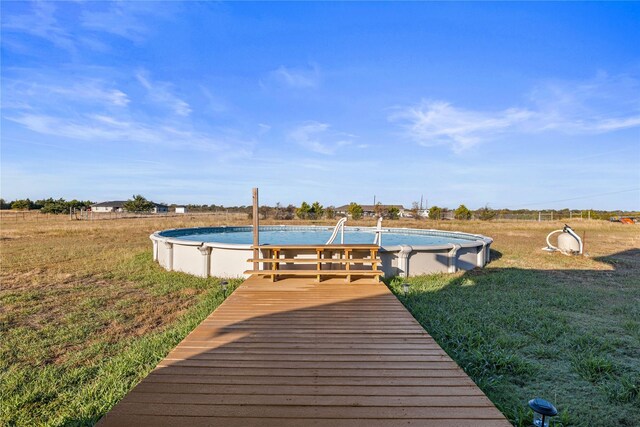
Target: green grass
{"type": "Point", "coordinates": [63, 373]}
{"type": "Point", "coordinates": [519, 334]}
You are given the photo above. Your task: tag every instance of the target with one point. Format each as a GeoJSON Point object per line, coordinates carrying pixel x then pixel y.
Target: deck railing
{"type": "Point", "coordinates": [345, 257]}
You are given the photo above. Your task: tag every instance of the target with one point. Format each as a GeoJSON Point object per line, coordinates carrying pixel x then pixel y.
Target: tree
{"type": "Point", "coordinates": [415, 210]}
{"type": "Point", "coordinates": [355, 210]}
{"type": "Point", "coordinates": [290, 212]}
{"type": "Point", "coordinates": [4, 204]}
{"type": "Point", "coordinates": [330, 212]}
{"type": "Point", "coordinates": [378, 210]}
{"type": "Point", "coordinates": [317, 210]}
{"type": "Point", "coordinates": [486, 213]}
{"type": "Point", "coordinates": [393, 212]}
{"type": "Point", "coordinates": [278, 212]}
{"type": "Point", "coordinates": [303, 211]}
{"type": "Point", "coordinates": [264, 211]}
{"type": "Point", "coordinates": [24, 204]}
{"type": "Point", "coordinates": [462, 213]}
{"type": "Point", "coordinates": [435, 212]}
{"type": "Point", "coordinates": [138, 204]}
{"type": "Point", "coordinates": [54, 206]}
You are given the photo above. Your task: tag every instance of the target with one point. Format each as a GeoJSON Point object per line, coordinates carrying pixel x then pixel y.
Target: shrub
{"type": "Point", "coordinates": [393, 212]}
{"type": "Point", "coordinates": [462, 212]}
{"type": "Point", "coordinates": [435, 212]}
{"type": "Point", "coordinates": [486, 213]}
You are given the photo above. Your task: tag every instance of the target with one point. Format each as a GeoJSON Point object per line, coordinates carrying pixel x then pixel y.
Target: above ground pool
{"type": "Point", "coordinates": [224, 251]}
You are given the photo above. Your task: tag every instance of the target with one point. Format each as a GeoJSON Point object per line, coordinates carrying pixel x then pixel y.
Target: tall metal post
{"type": "Point", "coordinates": [256, 229]}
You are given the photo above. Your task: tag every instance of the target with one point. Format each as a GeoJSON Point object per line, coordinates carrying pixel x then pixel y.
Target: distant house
{"type": "Point", "coordinates": [181, 209]}
{"type": "Point", "coordinates": [423, 213]}
{"type": "Point", "coordinates": [118, 206]}
{"type": "Point", "coordinates": [370, 210]}
{"type": "Point", "coordinates": [159, 208]}
{"type": "Point", "coordinates": [114, 206]}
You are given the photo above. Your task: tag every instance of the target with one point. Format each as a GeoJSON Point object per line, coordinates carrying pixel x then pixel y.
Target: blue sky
{"type": "Point", "coordinates": [517, 105]}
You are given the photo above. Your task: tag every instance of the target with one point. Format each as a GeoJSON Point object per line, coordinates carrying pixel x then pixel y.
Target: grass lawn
{"type": "Point", "coordinates": [562, 328]}
{"type": "Point", "coordinates": [85, 314]}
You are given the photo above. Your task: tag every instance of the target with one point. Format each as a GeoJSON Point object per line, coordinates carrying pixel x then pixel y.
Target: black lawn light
{"type": "Point", "coordinates": [405, 288]}
{"type": "Point", "coordinates": [542, 412]}
{"type": "Point", "coordinates": [224, 288]}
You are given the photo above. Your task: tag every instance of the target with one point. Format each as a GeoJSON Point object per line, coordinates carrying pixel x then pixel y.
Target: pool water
{"type": "Point", "coordinates": [244, 235]}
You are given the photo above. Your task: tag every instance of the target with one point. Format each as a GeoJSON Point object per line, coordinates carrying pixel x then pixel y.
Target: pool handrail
{"type": "Point", "coordinates": [339, 227]}
{"type": "Point", "coordinates": [378, 239]}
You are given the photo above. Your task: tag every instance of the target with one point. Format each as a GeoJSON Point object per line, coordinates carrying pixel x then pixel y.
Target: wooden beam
{"type": "Point", "coordinates": [256, 228]}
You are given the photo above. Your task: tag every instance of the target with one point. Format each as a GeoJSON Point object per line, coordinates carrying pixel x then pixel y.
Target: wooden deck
{"type": "Point", "coordinates": [300, 353]}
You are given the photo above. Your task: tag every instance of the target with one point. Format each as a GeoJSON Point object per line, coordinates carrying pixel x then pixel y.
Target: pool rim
{"type": "Point", "coordinates": [477, 238]}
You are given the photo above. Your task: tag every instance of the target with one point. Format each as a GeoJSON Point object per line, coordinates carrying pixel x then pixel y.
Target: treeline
{"type": "Point", "coordinates": [49, 205]}
{"type": "Point", "coordinates": [304, 211]}
{"type": "Point", "coordinates": [565, 213]}
{"type": "Point", "coordinates": [486, 213]}
{"type": "Point", "coordinates": [316, 211]}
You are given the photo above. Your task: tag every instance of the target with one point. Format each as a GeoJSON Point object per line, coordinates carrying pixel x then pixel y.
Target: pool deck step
{"type": "Point", "coordinates": [297, 352]}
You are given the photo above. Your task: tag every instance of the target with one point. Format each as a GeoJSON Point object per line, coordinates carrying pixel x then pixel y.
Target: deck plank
{"type": "Point", "coordinates": [296, 352]}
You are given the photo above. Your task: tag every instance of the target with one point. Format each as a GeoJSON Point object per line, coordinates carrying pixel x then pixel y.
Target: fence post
{"type": "Point", "coordinates": [256, 229]}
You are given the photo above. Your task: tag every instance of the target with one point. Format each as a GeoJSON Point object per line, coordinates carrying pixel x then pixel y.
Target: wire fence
{"type": "Point", "coordinates": [544, 216]}
{"type": "Point", "coordinates": [7, 216]}
{"type": "Point", "coordinates": [82, 214]}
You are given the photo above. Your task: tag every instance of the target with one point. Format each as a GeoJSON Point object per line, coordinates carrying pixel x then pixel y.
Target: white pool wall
{"type": "Point", "coordinates": [228, 260]}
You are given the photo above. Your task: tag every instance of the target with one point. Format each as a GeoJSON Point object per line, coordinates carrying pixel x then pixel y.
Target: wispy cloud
{"type": "Point", "coordinates": [162, 93]}
{"type": "Point", "coordinates": [298, 78]}
{"type": "Point", "coordinates": [104, 128]}
{"type": "Point", "coordinates": [317, 137]}
{"type": "Point", "coordinates": [437, 122]}
{"type": "Point", "coordinates": [214, 103]}
{"type": "Point", "coordinates": [95, 109]}
{"type": "Point", "coordinates": [57, 22]}
{"type": "Point", "coordinates": [263, 128]}
{"type": "Point", "coordinates": [124, 19]}
{"type": "Point", "coordinates": [94, 91]}
{"type": "Point", "coordinates": [42, 23]}
{"type": "Point", "coordinates": [603, 104]}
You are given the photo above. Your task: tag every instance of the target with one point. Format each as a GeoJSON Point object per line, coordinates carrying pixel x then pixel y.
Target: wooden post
{"type": "Point", "coordinates": [256, 229]}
